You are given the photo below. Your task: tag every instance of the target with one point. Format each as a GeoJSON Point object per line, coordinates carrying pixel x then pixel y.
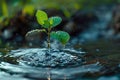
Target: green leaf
{"type": "Point", "coordinates": [54, 21]}
{"type": "Point", "coordinates": [46, 24]}
{"type": "Point", "coordinates": [35, 31]}
{"type": "Point", "coordinates": [53, 35]}
{"type": "Point", "coordinates": [61, 36]}
{"type": "Point", "coordinates": [41, 17]}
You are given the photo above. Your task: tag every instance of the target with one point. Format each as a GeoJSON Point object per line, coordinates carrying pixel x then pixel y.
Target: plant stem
{"type": "Point", "coordinates": [49, 29]}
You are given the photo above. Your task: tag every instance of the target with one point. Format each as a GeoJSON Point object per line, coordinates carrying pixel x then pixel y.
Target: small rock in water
{"type": "Point", "coordinates": [43, 58]}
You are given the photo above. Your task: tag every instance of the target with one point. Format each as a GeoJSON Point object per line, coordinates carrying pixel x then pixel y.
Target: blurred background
{"type": "Point", "coordinates": [94, 27]}
{"type": "Point", "coordinates": [85, 20]}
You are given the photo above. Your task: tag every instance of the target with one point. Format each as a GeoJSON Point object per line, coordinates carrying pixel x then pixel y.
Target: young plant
{"type": "Point", "coordinates": [47, 25]}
